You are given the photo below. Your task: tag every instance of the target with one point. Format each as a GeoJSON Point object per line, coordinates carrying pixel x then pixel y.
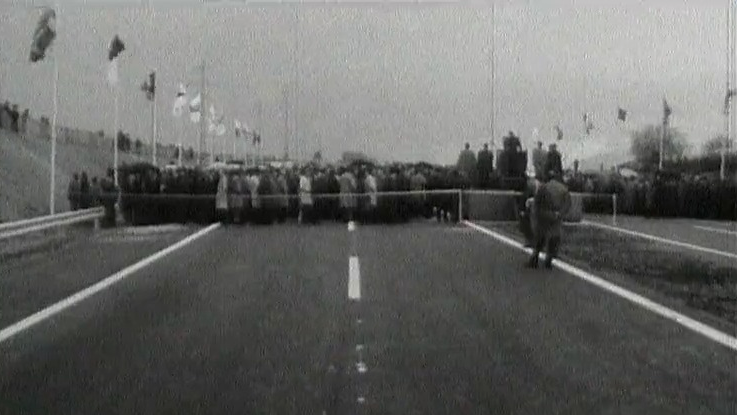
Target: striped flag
{"type": "Point", "coordinates": [149, 86]}
{"type": "Point", "coordinates": [116, 47]}
{"type": "Point", "coordinates": [180, 102]}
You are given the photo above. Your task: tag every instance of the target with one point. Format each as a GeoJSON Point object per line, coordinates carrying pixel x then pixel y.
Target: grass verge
{"type": "Point", "coordinates": [700, 284]}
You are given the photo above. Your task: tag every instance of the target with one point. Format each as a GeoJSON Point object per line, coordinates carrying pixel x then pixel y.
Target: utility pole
{"type": "Point", "coordinates": [493, 80]}
{"type": "Point", "coordinates": [203, 126]}
{"type": "Point", "coordinates": [728, 116]}
{"type": "Point", "coordinates": [286, 124]}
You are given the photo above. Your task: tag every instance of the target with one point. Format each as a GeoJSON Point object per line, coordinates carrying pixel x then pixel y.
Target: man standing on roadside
{"type": "Point", "coordinates": [552, 202]}
{"type": "Point", "coordinates": [74, 192]}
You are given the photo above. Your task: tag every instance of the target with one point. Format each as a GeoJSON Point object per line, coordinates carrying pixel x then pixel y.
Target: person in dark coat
{"type": "Point", "coordinates": [467, 162]}
{"type": "Point", "coordinates": [485, 165]}
{"type": "Point", "coordinates": [552, 202]}
{"type": "Point", "coordinates": [553, 161]}
{"type": "Point", "coordinates": [95, 193]}
{"type": "Point", "coordinates": [84, 190]}
{"type": "Point", "coordinates": [14, 119]}
{"type": "Point", "coordinates": [73, 192]}
{"type": "Point", "coordinates": [24, 121]}
{"type": "Point", "coordinates": [526, 211]}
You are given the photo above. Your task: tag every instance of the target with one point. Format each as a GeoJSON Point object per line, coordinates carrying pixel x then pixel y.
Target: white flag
{"type": "Point", "coordinates": [194, 109]}
{"type": "Point", "coordinates": [180, 102]}
{"type": "Point", "coordinates": [237, 128]}
{"type": "Point", "coordinates": [112, 72]}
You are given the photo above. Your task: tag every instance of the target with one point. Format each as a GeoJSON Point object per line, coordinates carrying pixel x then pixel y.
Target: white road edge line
{"type": "Point", "coordinates": [708, 228]}
{"type": "Point", "coordinates": [70, 301]}
{"type": "Point", "coordinates": [663, 240]}
{"type": "Point", "coordinates": [685, 321]}
{"type": "Point", "coordinates": [354, 278]}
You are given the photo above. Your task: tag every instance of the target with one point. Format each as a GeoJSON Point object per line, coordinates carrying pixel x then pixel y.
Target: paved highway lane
{"type": "Point", "coordinates": [31, 282]}
{"type": "Point", "coordinates": [257, 320]}
{"type": "Point", "coordinates": [455, 324]}
{"type": "Point", "coordinates": [241, 321]}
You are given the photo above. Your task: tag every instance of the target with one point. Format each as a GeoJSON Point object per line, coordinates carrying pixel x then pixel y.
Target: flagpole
{"type": "Point", "coordinates": [493, 80]}
{"type": "Point", "coordinates": [52, 184]}
{"type": "Point", "coordinates": [259, 125]}
{"type": "Point", "coordinates": [662, 137]}
{"type": "Point", "coordinates": [728, 112]}
{"type": "Point", "coordinates": [153, 134]}
{"type": "Point", "coordinates": [179, 153]}
{"type": "Point", "coordinates": [203, 130]}
{"type": "Point", "coordinates": [286, 124]}
{"type": "Point", "coordinates": [115, 130]}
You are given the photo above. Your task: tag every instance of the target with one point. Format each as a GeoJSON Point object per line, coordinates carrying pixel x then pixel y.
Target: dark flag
{"type": "Point", "coordinates": [44, 35]}
{"type": "Point", "coordinates": [149, 87]}
{"type": "Point", "coordinates": [558, 132]}
{"type": "Point", "coordinates": [666, 111]}
{"type": "Point", "coordinates": [116, 46]}
{"type": "Point", "coordinates": [621, 115]}
{"type": "Point", "coordinates": [728, 100]}
{"type": "Point", "coordinates": [256, 138]}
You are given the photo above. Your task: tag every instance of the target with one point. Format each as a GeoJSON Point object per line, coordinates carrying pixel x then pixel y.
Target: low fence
{"type": "Point", "coordinates": [29, 226]}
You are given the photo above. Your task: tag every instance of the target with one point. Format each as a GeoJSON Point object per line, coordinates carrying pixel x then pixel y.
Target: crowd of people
{"type": "Point", "coordinates": [12, 119]}
{"type": "Point", "coordinates": [309, 194]}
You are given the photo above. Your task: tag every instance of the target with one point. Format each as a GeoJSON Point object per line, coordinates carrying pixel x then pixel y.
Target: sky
{"type": "Point", "coordinates": [397, 81]}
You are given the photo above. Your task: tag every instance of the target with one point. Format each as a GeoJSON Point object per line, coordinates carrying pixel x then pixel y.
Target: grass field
{"type": "Point", "coordinates": [702, 283]}
{"type": "Point", "coordinates": [25, 172]}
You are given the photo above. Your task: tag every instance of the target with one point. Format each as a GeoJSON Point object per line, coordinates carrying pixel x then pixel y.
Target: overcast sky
{"type": "Point", "coordinates": [401, 82]}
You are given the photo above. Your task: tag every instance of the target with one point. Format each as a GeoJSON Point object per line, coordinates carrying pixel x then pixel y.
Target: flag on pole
{"type": "Point", "coordinates": [558, 132]}
{"type": "Point", "coordinates": [44, 35]}
{"type": "Point", "coordinates": [667, 111]}
{"type": "Point", "coordinates": [256, 138]}
{"type": "Point", "coordinates": [149, 86]}
{"type": "Point", "coordinates": [216, 125]}
{"type": "Point", "coordinates": [621, 115]}
{"type": "Point", "coordinates": [116, 47]}
{"type": "Point", "coordinates": [588, 125]}
{"type": "Point", "coordinates": [180, 102]}
{"type": "Point", "coordinates": [238, 128]}
{"type": "Point", "coordinates": [728, 100]}
{"type": "Point", "coordinates": [195, 109]}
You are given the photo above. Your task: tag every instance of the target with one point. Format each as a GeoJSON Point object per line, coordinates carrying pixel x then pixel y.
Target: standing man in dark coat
{"type": "Point", "coordinates": [485, 167]}
{"type": "Point", "coordinates": [552, 202]}
{"type": "Point", "coordinates": [84, 190]}
{"type": "Point", "coordinates": [467, 162]}
{"type": "Point", "coordinates": [553, 161]}
{"type": "Point", "coordinates": [73, 193]}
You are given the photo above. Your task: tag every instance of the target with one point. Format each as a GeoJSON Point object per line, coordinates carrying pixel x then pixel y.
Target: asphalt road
{"type": "Point", "coordinates": [258, 321]}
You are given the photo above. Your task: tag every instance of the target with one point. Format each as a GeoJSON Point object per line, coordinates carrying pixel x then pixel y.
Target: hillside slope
{"type": "Point", "coordinates": [25, 171]}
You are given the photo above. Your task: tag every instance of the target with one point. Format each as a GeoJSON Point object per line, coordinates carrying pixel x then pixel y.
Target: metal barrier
{"type": "Point", "coordinates": [23, 227]}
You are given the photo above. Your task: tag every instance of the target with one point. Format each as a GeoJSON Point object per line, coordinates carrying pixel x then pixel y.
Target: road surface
{"type": "Point", "coordinates": [258, 321]}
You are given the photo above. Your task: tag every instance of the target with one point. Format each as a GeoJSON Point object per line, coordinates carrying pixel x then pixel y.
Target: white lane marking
{"type": "Point", "coordinates": [685, 321]}
{"type": "Point", "coordinates": [663, 240]}
{"type": "Point", "coordinates": [354, 278]}
{"type": "Point", "coordinates": [70, 301]}
{"type": "Point", "coordinates": [351, 226]}
{"type": "Point", "coordinates": [361, 367]}
{"type": "Point", "coordinates": [708, 228]}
